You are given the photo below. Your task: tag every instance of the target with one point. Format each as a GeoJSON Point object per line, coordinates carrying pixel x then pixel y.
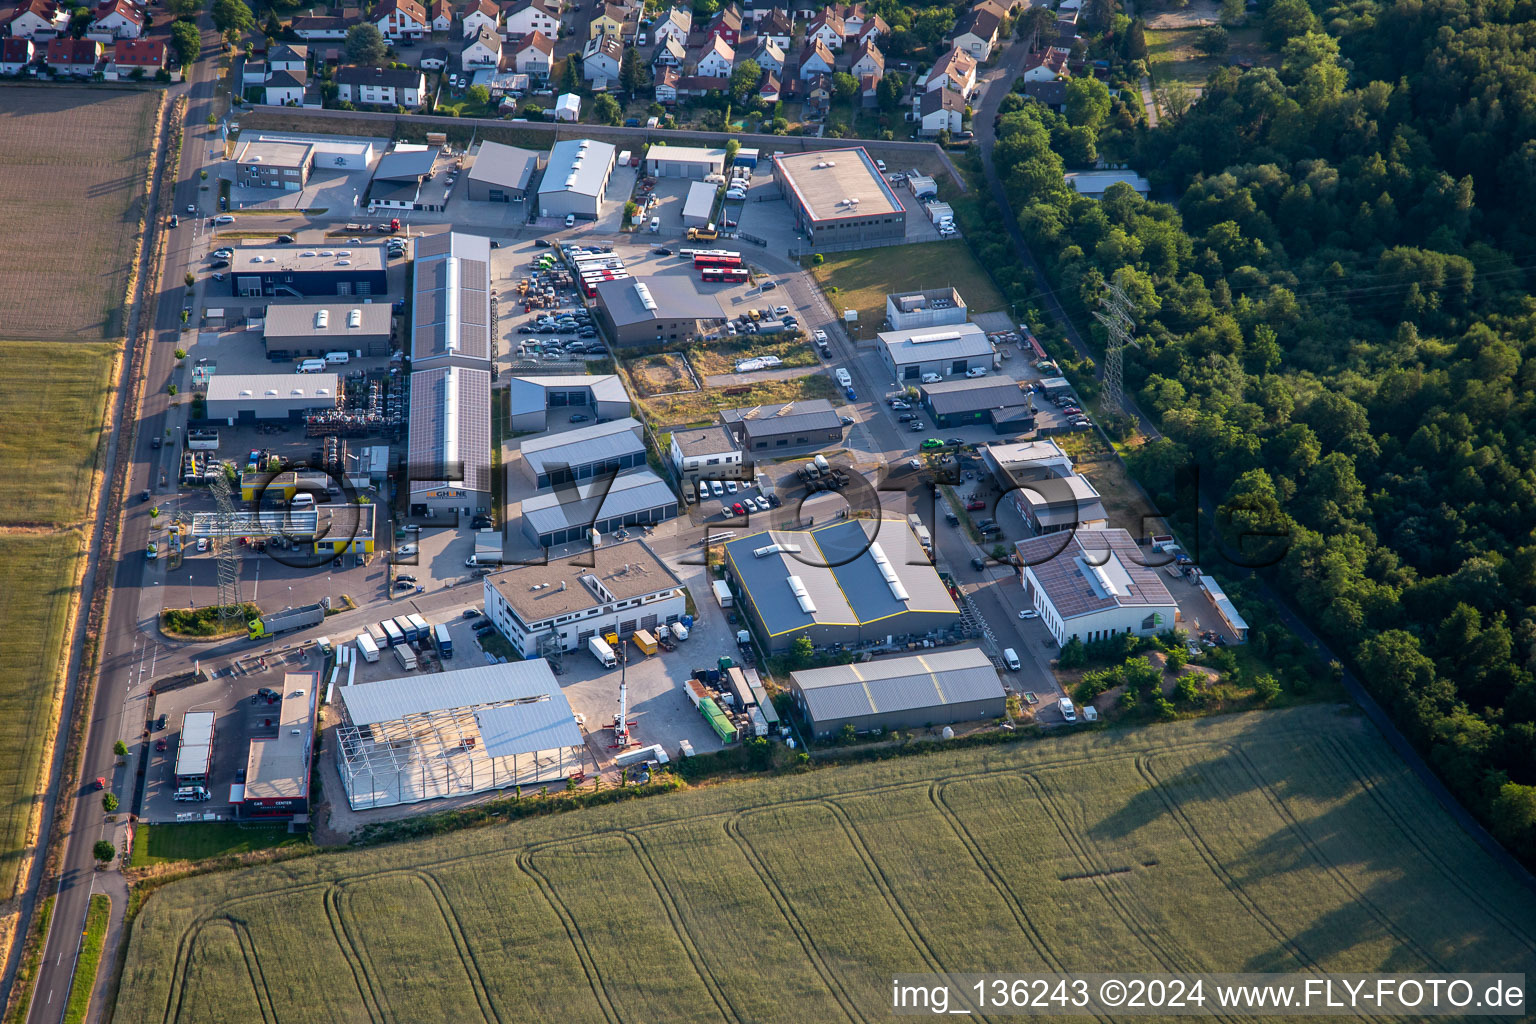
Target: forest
{"type": "Point", "coordinates": [1335, 325]}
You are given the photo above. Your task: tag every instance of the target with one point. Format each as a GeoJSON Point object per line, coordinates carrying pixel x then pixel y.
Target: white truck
{"type": "Point", "coordinates": [368, 647]}
{"type": "Point", "coordinates": [406, 657]}
{"type": "Point", "coordinates": [602, 652]}
{"type": "Point", "coordinates": [679, 631]}
{"type": "Point", "coordinates": [723, 593]}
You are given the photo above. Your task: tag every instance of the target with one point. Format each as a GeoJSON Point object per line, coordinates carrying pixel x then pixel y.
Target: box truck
{"type": "Point", "coordinates": [722, 593]}
{"type": "Point", "coordinates": [602, 652]}
{"type": "Point", "coordinates": [679, 631]}
{"type": "Point", "coordinates": [644, 641]}
{"type": "Point", "coordinates": [406, 657]}
{"type": "Point", "coordinates": [366, 645]}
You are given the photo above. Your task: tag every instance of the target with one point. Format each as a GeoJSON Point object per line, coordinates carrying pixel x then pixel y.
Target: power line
{"type": "Point", "coordinates": [1117, 321]}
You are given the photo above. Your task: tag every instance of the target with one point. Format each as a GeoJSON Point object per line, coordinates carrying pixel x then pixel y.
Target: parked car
{"type": "Point", "coordinates": [284, 239]}
{"type": "Point", "coordinates": [661, 250]}
{"type": "Point", "coordinates": [978, 563]}
{"type": "Point", "coordinates": [1029, 613]}
{"type": "Point", "coordinates": [579, 417]}
{"type": "Point", "coordinates": [975, 506]}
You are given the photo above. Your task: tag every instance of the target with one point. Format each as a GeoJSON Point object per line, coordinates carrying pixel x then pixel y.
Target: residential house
{"type": "Point", "coordinates": [535, 55]}
{"type": "Point", "coordinates": [610, 21]}
{"type": "Point", "coordinates": [853, 17]}
{"type": "Point", "coordinates": [145, 56]}
{"type": "Point", "coordinates": [955, 70]}
{"type": "Point", "coordinates": [997, 7]}
{"type": "Point", "coordinates": [695, 86]}
{"type": "Point", "coordinates": [15, 54]}
{"type": "Point", "coordinates": [283, 57]}
{"type": "Point", "coordinates": [874, 28]}
{"type": "Point", "coordinates": [38, 19]}
{"type": "Point", "coordinates": [669, 54]}
{"type": "Point", "coordinates": [117, 19]}
{"type": "Point", "coordinates": [677, 23]}
{"type": "Point", "coordinates": [313, 28]}
{"type": "Point", "coordinates": [977, 31]}
{"type": "Point", "coordinates": [401, 19]}
{"type": "Point", "coordinates": [769, 56]}
{"type": "Point", "coordinates": [827, 29]}
{"type": "Point", "coordinates": [1051, 94]}
{"type": "Point", "coordinates": [818, 93]}
{"type": "Point", "coordinates": [601, 59]}
{"type": "Point", "coordinates": [726, 26]}
{"type": "Point", "coordinates": [868, 61]}
{"type": "Point", "coordinates": [770, 91]}
{"type": "Point", "coordinates": [941, 110]}
{"type": "Point", "coordinates": [528, 16]}
{"type": "Point", "coordinates": [440, 15]}
{"type": "Point", "coordinates": [434, 58]}
{"type": "Point", "coordinates": [869, 90]}
{"type": "Point", "coordinates": [253, 74]}
{"type": "Point", "coordinates": [715, 58]}
{"type": "Point", "coordinates": [383, 87]}
{"type": "Point", "coordinates": [77, 57]}
{"type": "Point", "coordinates": [666, 85]}
{"type": "Point", "coordinates": [815, 60]}
{"type": "Point", "coordinates": [483, 51]}
{"type": "Point", "coordinates": [775, 27]}
{"type": "Point", "coordinates": [478, 14]}
{"type": "Point", "coordinates": [1047, 65]}
{"type": "Point", "coordinates": [286, 88]}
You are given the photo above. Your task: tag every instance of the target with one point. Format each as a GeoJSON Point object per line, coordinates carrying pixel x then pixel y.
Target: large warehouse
{"type": "Point", "coordinates": [298, 329]}
{"type": "Point", "coordinates": [1093, 584]}
{"type": "Point", "coordinates": [839, 196]}
{"type": "Point", "coordinates": [233, 397]}
{"type": "Point", "coordinates": [761, 428]}
{"type": "Point", "coordinates": [996, 402]}
{"type": "Point", "coordinates": [667, 309]}
{"type": "Point", "coordinates": [502, 174]}
{"type": "Point", "coordinates": [584, 453]}
{"type": "Point", "coordinates": [921, 691]}
{"type": "Point", "coordinates": [947, 351]}
{"type": "Point", "coordinates": [277, 767]}
{"type": "Point", "coordinates": [402, 741]}
{"type": "Point", "coordinates": [570, 513]}
{"type": "Point", "coordinates": [576, 178]}
{"type": "Point", "coordinates": [298, 272]}
{"type": "Point", "coordinates": [596, 396]}
{"type": "Point", "coordinates": [449, 464]}
{"type": "Point", "coordinates": [855, 580]}
{"type": "Point", "coordinates": [694, 162]}
{"type": "Point", "coordinates": [625, 588]}
{"type": "Point", "coordinates": [451, 311]}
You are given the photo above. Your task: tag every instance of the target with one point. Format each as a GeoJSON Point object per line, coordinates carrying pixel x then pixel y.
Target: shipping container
{"type": "Point", "coordinates": [444, 640]}
{"type": "Point", "coordinates": [736, 684]}
{"type": "Point", "coordinates": [392, 633]}
{"type": "Point", "coordinates": [380, 638]}
{"type": "Point", "coordinates": [423, 630]}
{"type": "Point", "coordinates": [644, 641]}
{"type": "Point", "coordinates": [406, 657]}
{"type": "Point", "coordinates": [718, 720]}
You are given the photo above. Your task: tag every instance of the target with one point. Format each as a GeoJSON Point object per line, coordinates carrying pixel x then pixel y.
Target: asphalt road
{"type": "Point", "coordinates": [128, 651]}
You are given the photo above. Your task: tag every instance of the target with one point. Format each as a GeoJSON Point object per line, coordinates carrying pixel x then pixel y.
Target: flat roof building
{"type": "Point", "coordinates": [576, 178]}
{"type": "Point", "coordinates": [270, 163]}
{"type": "Point", "coordinates": [278, 765]}
{"type": "Point", "coordinates": [759, 428]}
{"type": "Point", "coordinates": [451, 311]}
{"type": "Point", "coordinates": [699, 207]}
{"type": "Point", "coordinates": [397, 179]}
{"type": "Point", "coordinates": [428, 737]}
{"type": "Point", "coordinates": [620, 587]}
{"type": "Point", "coordinates": [916, 692]}
{"type": "Point", "coordinates": [1038, 479]}
{"type": "Point", "coordinates": [997, 402]}
{"type": "Point", "coordinates": [235, 397]}
{"type": "Point", "coordinates": [292, 330]}
{"type": "Point", "coordinates": [1093, 585]}
{"type": "Point", "coordinates": [906, 311]}
{"type": "Point", "coordinates": [695, 162]}
{"type": "Point", "coordinates": [664, 309]}
{"type": "Point", "coordinates": [839, 196]}
{"type": "Point", "coordinates": [449, 464]}
{"type": "Point", "coordinates": [584, 453]}
{"type": "Point", "coordinates": [946, 351]}
{"type": "Point", "coordinates": [300, 272]}
{"type": "Point", "coordinates": [851, 582]}
{"type": "Point", "coordinates": [571, 512]}
{"type": "Point", "coordinates": [534, 399]}
{"type": "Point", "coordinates": [502, 174]}
{"type": "Point", "coordinates": [710, 452]}
{"type": "Point", "coordinates": [1094, 184]}
{"type": "Point", "coordinates": [329, 529]}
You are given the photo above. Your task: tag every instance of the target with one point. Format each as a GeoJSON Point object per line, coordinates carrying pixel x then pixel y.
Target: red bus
{"type": "Point", "coordinates": [716, 261]}
{"type": "Point", "coordinates": [589, 286]}
{"type": "Point", "coordinates": [734, 275]}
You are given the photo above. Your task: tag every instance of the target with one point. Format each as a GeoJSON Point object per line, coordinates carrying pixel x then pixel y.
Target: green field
{"type": "Point", "coordinates": [165, 844]}
{"type": "Point", "coordinates": [864, 277]}
{"type": "Point", "coordinates": [1280, 841]}
{"type": "Point", "coordinates": [50, 429]}
{"type": "Point", "coordinates": [1172, 54]}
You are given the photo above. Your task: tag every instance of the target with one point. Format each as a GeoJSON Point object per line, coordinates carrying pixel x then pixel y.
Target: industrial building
{"type": "Point", "coordinates": [946, 351]}
{"type": "Point", "coordinates": [330, 151]}
{"type": "Point", "coordinates": [397, 179]}
{"type": "Point", "coordinates": [274, 164]}
{"type": "Point", "coordinates": [194, 748]}
{"type": "Point", "coordinates": [839, 197]}
{"type": "Point", "coordinates": [699, 207]}
{"type": "Point", "coordinates": [502, 174]}
{"type": "Point", "coordinates": [916, 692]}
{"type": "Point", "coordinates": [1225, 610]}
{"type": "Point", "coordinates": [295, 271]}
{"type": "Point", "coordinates": [534, 399]}
{"type": "Point", "coordinates": [852, 582]}
{"type": "Point", "coordinates": [559, 606]}
{"type": "Point", "coordinates": [1038, 479]}
{"type": "Point", "coordinates": [1094, 584]}
{"type": "Point", "coordinates": [762, 428]}
{"type": "Point", "coordinates": [294, 330]}
{"type": "Point", "coordinates": [696, 162]}
{"type": "Point", "coordinates": [657, 310]}
{"type": "Point", "coordinates": [997, 402]}
{"type": "Point", "coordinates": [1094, 184]}
{"type": "Point", "coordinates": [571, 512]}
{"type": "Point", "coordinates": [582, 454]}
{"type": "Point", "coordinates": [236, 397]}
{"type": "Point", "coordinates": [451, 308]}
{"type": "Point", "coordinates": [935, 307]}
{"type": "Point", "coordinates": [576, 178]}
{"type": "Point", "coordinates": [277, 768]}
{"type": "Point", "coordinates": [449, 467]}
{"type": "Point", "coordinates": [711, 453]}
{"type": "Point", "coordinates": [429, 737]}
{"type": "Point", "coordinates": [328, 530]}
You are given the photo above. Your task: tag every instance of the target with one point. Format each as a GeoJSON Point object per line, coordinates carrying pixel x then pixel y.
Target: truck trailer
{"type": "Point", "coordinates": [444, 640]}
{"type": "Point", "coordinates": [285, 620]}
{"type": "Point", "coordinates": [369, 649]}
{"type": "Point", "coordinates": [406, 657]}
{"type": "Point", "coordinates": [722, 593]}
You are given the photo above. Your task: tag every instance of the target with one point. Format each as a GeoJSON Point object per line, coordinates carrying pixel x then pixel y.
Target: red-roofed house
{"type": "Point", "coordinates": [827, 29]}
{"type": "Point", "coordinates": [401, 19]}
{"type": "Point", "coordinates": [955, 70]}
{"type": "Point", "coordinates": [15, 55]}
{"type": "Point", "coordinates": [77, 57]}
{"type": "Point", "coordinates": [815, 60]}
{"type": "Point", "coordinates": [1047, 65]}
{"type": "Point", "coordinates": [117, 19]}
{"type": "Point", "coordinates": [535, 55]}
{"type": "Point", "coordinates": [480, 14]}
{"type": "Point", "coordinates": [38, 19]}
{"type": "Point", "coordinates": [715, 58]}
{"type": "Point", "coordinates": [666, 85]}
{"type": "Point", "coordinates": [129, 55]}
{"type": "Point", "coordinates": [701, 85]}
{"type": "Point", "coordinates": [726, 26]}
{"type": "Point", "coordinates": [869, 61]}
{"type": "Point", "coordinates": [769, 91]}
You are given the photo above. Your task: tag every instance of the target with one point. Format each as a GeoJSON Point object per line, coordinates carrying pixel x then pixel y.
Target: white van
{"type": "Point", "coordinates": [312, 366]}
{"type": "Point", "coordinates": [1068, 712]}
{"type": "Point", "coordinates": [337, 358]}
{"type": "Point", "coordinates": [655, 225]}
{"type": "Point", "coordinates": [1011, 659]}
{"type": "Point", "coordinates": [302, 500]}
{"type": "Point", "coordinates": [570, 220]}
{"type": "Point", "coordinates": [192, 794]}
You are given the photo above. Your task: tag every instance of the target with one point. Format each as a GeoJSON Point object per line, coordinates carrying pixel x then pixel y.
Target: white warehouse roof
{"type": "Point", "coordinates": [936, 344]}
{"type": "Point", "coordinates": [273, 387]}
{"type": "Point", "coordinates": [577, 165]}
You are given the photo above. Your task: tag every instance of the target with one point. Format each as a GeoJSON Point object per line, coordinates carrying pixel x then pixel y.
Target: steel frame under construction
{"type": "Point", "coordinates": [443, 737]}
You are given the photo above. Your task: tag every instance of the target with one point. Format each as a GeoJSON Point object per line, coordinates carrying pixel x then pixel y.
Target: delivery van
{"type": "Point", "coordinates": [1011, 659]}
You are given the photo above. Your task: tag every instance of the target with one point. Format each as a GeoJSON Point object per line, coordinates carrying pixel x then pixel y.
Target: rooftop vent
{"type": "Point", "coordinates": [354, 318]}
{"type": "Point", "coordinates": [801, 595]}
{"type": "Point", "coordinates": [644, 295]}
{"type": "Point", "coordinates": [773, 549]}
{"type": "Point", "coordinates": [924, 339]}
{"type": "Point", "coordinates": [322, 319]}
{"type": "Point", "coordinates": [246, 393]}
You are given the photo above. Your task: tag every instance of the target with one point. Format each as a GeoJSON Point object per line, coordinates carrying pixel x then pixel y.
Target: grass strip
{"type": "Point", "coordinates": [81, 989]}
